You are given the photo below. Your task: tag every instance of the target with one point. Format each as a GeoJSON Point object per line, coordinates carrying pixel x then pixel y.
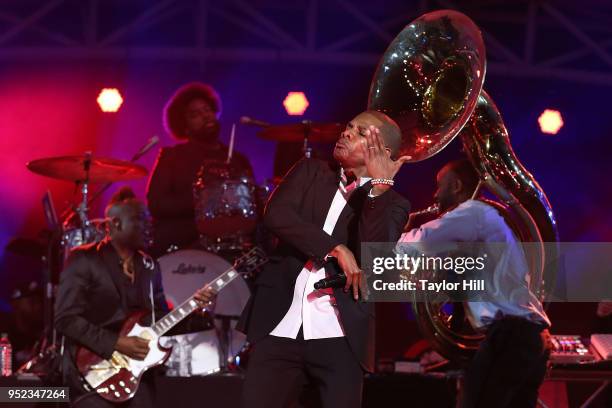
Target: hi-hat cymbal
{"type": "Point", "coordinates": [101, 170]}
{"type": "Point", "coordinates": [315, 132]}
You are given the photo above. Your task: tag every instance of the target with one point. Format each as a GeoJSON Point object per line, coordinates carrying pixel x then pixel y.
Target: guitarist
{"type": "Point", "coordinates": [102, 284]}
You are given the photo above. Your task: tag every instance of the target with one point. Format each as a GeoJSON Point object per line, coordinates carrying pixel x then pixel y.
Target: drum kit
{"type": "Point", "coordinates": [228, 206]}
{"type": "Point", "coordinates": [77, 227]}
{"type": "Point", "coordinates": [226, 203]}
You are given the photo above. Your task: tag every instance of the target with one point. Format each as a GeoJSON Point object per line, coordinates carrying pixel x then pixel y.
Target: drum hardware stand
{"type": "Point", "coordinates": [307, 130]}
{"type": "Point", "coordinates": [83, 207]}
{"type": "Point", "coordinates": [69, 213]}
{"type": "Point", "coordinates": [49, 333]}
{"type": "Point", "coordinates": [45, 362]}
{"type": "Point", "coordinates": [223, 335]}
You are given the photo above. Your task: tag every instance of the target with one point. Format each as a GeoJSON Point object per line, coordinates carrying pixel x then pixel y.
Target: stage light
{"type": "Point", "coordinates": [110, 100]}
{"type": "Point", "coordinates": [295, 103]}
{"type": "Point", "coordinates": [550, 121]}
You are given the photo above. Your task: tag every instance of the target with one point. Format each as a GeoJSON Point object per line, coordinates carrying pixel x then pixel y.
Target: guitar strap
{"type": "Point", "coordinates": [149, 264]}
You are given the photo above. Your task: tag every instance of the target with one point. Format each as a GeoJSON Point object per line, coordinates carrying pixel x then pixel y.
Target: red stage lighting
{"type": "Point", "coordinates": [550, 121]}
{"type": "Point", "coordinates": [295, 103]}
{"type": "Point", "coordinates": [110, 100]}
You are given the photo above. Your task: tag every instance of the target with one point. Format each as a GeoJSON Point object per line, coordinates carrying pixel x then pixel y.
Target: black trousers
{"type": "Point", "coordinates": [509, 366]}
{"type": "Point", "coordinates": [279, 367]}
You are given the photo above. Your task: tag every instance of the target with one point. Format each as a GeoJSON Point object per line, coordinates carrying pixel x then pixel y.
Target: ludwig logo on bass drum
{"type": "Point", "coordinates": [188, 269]}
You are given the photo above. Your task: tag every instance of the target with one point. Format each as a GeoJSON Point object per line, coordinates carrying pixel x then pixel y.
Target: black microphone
{"type": "Point", "coordinates": [245, 120]}
{"type": "Point", "coordinates": [336, 281]}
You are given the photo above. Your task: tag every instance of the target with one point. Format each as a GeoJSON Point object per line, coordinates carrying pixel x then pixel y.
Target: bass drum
{"type": "Point", "coordinates": [205, 352]}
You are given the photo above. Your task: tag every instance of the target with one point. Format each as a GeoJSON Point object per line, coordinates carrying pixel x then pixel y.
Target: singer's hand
{"type": "Point", "coordinates": [348, 264]}
{"type": "Point", "coordinates": [378, 159]}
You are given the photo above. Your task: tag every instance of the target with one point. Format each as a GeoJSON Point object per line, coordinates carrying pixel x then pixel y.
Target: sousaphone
{"type": "Point", "coordinates": [429, 81]}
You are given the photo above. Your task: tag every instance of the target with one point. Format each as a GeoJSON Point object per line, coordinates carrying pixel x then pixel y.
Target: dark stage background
{"type": "Point", "coordinates": [48, 106]}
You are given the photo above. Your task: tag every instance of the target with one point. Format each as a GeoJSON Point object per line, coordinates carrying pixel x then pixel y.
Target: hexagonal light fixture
{"type": "Point", "coordinates": [109, 100]}
{"type": "Point", "coordinates": [296, 103]}
{"type": "Point", "coordinates": [550, 121]}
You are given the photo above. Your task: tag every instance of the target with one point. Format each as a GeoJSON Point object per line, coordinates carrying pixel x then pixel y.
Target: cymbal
{"type": "Point", "coordinates": [101, 170]}
{"type": "Point", "coordinates": [316, 132]}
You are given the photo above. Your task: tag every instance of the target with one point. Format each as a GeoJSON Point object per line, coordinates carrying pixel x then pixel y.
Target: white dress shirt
{"type": "Point", "coordinates": [507, 288]}
{"type": "Point", "coordinates": [315, 310]}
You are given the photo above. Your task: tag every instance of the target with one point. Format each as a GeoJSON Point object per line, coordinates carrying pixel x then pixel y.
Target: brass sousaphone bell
{"type": "Point", "coordinates": [429, 81]}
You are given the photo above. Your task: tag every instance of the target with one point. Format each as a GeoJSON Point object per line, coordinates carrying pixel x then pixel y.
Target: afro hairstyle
{"type": "Point", "coordinates": [174, 111]}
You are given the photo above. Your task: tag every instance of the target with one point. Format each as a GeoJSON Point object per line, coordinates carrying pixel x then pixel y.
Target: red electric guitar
{"type": "Point", "coordinates": [117, 379]}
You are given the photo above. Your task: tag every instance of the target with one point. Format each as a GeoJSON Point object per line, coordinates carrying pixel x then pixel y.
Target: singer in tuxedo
{"type": "Point", "coordinates": [321, 213]}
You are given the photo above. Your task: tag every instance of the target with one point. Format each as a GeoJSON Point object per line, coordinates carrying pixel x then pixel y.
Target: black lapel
{"type": "Point", "coordinates": [352, 207]}
{"type": "Point", "coordinates": [325, 190]}
{"type": "Point", "coordinates": [113, 268]}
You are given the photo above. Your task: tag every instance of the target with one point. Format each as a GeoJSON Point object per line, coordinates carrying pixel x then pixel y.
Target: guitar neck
{"type": "Point", "coordinates": [177, 315]}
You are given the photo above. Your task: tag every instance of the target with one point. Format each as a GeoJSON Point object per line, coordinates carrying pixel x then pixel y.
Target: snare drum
{"type": "Point", "coordinates": [201, 353]}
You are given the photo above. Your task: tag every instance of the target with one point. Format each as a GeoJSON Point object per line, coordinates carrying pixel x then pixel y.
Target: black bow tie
{"type": "Point", "coordinates": [350, 178]}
